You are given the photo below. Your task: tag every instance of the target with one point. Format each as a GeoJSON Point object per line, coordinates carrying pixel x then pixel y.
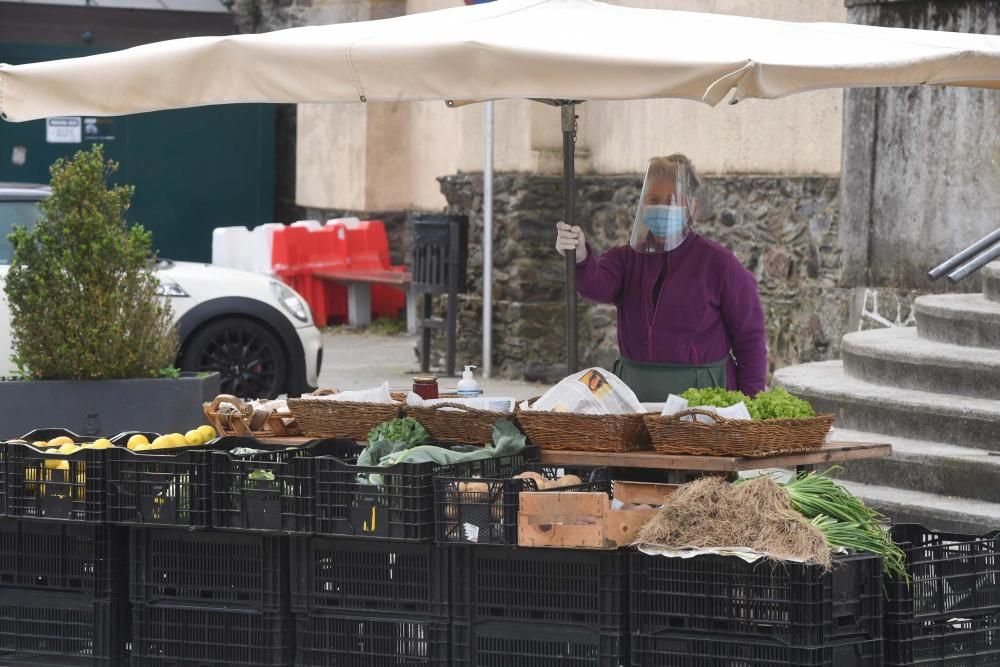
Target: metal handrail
{"type": "Point", "coordinates": [970, 260]}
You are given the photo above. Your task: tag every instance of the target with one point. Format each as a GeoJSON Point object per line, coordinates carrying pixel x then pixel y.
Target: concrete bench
{"type": "Point", "coordinates": [359, 292]}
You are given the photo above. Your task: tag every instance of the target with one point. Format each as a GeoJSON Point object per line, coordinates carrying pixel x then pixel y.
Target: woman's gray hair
{"type": "Point", "coordinates": [668, 167]}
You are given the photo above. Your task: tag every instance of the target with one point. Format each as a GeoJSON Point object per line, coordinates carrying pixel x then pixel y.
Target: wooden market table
{"type": "Point", "coordinates": [831, 452]}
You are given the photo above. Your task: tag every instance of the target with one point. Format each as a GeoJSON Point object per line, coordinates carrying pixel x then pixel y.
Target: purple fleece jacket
{"type": "Point", "coordinates": [708, 305]}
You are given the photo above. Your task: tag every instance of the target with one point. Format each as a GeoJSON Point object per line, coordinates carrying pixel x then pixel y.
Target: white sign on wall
{"type": "Point", "coordinates": [64, 130]}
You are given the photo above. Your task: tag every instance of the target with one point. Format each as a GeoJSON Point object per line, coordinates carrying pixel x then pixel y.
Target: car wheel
{"type": "Point", "coordinates": [250, 359]}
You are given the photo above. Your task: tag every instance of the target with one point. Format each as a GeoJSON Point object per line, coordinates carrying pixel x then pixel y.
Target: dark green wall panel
{"type": "Point", "coordinates": [193, 169]}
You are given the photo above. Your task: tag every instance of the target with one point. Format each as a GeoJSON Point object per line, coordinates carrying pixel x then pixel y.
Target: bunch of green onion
{"type": "Point", "coordinates": [844, 520]}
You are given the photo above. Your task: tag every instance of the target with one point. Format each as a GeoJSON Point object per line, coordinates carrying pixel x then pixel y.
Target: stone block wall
{"type": "Point", "coordinates": [784, 229]}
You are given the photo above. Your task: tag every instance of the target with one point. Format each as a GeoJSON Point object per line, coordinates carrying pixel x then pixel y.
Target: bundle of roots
{"type": "Point", "coordinates": [756, 514]}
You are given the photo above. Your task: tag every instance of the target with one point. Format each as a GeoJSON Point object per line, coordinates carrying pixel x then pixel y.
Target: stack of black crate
{"type": "Point", "coordinates": [521, 607]}
{"type": "Point", "coordinates": [63, 570]}
{"type": "Point", "coordinates": [720, 610]}
{"type": "Point", "coordinates": [210, 598]}
{"type": "Point", "coordinates": [370, 602]}
{"type": "Point", "coordinates": [63, 594]}
{"type": "Point", "coordinates": [948, 614]}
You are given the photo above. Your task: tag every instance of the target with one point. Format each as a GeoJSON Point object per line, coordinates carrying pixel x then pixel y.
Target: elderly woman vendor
{"type": "Point", "coordinates": [689, 314]}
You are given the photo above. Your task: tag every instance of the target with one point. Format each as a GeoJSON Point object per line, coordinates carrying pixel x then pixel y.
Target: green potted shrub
{"type": "Point", "coordinates": [93, 342]}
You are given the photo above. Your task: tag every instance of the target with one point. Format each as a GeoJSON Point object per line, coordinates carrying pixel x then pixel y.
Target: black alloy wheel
{"type": "Point", "coordinates": [250, 358]}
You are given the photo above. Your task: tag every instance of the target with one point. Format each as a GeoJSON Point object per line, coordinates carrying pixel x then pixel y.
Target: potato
{"type": "Point", "coordinates": [539, 479]}
{"type": "Point", "coordinates": [477, 487]}
{"type": "Point", "coordinates": [566, 480]}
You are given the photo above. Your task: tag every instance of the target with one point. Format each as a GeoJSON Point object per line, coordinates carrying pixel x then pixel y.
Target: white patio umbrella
{"type": "Point", "coordinates": [563, 51]}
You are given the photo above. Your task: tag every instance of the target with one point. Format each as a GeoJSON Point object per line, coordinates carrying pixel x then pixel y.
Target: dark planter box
{"type": "Point", "coordinates": [106, 407]}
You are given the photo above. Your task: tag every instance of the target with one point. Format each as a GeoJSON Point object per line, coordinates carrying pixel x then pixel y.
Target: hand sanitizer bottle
{"type": "Point", "coordinates": [467, 386]}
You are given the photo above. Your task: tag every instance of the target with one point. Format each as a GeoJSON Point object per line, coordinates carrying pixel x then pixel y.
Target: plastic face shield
{"type": "Point", "coordinates": [663, 219]}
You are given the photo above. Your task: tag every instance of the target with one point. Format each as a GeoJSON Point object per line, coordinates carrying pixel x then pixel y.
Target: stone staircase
{"type": "Point", "coordinates": [933, 392]}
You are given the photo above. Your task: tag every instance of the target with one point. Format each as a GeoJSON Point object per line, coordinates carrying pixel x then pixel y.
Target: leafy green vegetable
{"type": "Point", "coordinates": [779, 404]}
{"type": "Point", "coordinates": [407, 430]}
{"type": "Point", "coordinates": [844, 520]}
{"type": "Point", "coordinates": [261, 476]}
{"type": "Point", "coordinates": [714, 396]}
{"type": "Point", "coordinates": [507, 440]}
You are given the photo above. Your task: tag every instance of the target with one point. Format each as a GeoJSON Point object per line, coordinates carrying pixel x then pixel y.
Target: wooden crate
{"type": "Point", "coordinates": [585, 520]}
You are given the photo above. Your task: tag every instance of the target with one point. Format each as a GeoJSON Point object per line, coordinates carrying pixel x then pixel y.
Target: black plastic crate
{"type": "Point", "coordinates": [346, 575]}
{"type": "Point", "coordinates": [192, 636]}
{"type": "Point", "coordinates": [798, 604]}
{"type": "Point", "coordinates": [333, 640]}
{"type": "Point", "coordinates": [271, 490]}
{"type": "Point", "coordinates": [223, 570]}
{"type": "Point", "coordinates": [42, 484]}
{"type": "Point", "coordinates": [709, 650]}
{"type": "Point", "coordinates": [952, 575]}
{"type": "Point", "coordinates": [476, 510]}
{"type": "Point", "coordinates": [399, 503]}
{"type": "Point", "coordinates": [61, 629]}
{"type": "Point", "coordinates": [520, 644]}
{"type": "Point", "coordinates": [956, 642]}
{"type": "Point", "coordinates": [77, 558]}
{"type": "Point", "coordinates": [587, 589]}
{"type": "Point", "coordinates": [169, 487]}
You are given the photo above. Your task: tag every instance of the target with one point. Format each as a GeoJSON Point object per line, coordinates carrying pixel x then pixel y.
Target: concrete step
{"type": "Point", "coordinates": [962, 319]}
{"type": "Point", "coordinates": [943, 513]}
{"type": "Point", "coordinates": [991, 281]}
{"type": "Point", "coordinates": [898, 357]}
{"type": "Point", "coordinates": [863, 406]}
{"type": "Point", "coordinates": [928, 467]}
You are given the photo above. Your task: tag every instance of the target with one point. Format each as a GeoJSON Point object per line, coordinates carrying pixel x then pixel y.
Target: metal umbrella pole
{"type": "Point", "coordinates": [568, 110]}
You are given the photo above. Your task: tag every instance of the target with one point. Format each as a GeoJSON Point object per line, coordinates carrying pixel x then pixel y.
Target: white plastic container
{"type": "Point", "coordinates": [467, 386]}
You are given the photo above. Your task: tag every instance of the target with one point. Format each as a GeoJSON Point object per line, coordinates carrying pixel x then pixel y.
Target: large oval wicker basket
{"type": "Point", "coordinates": [342, 419]}
{"type": "Point", "coordinates": [736, 437]}
{"type": "Point", "coordinates": [453, 422]}
{"type": "Point", "coordinates": [586, 433]}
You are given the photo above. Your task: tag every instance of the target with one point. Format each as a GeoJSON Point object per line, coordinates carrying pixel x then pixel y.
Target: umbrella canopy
{"type": "Point", "coordinates": [555, 49]}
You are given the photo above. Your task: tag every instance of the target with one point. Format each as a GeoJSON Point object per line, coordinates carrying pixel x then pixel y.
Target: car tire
{"type": "Point", "coordinates": [249, 357]}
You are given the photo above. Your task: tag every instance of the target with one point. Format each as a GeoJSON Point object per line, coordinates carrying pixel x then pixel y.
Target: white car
{"type": "Point", "coordinates": [255, 331]}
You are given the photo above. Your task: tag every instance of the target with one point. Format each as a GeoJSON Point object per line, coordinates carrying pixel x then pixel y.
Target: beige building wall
{"type": "Point", "coordinates": [384, 156]}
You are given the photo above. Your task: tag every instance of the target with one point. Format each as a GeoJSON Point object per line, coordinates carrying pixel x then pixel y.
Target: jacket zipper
{"type": "Point", "coordinates": [656, 308]}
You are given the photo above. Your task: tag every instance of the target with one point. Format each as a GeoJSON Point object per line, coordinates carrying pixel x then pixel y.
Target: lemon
{"type": "Point", "coordinates": [40, 444]}
{"type": "Point", "coordinates": [56, 464]}
{"type": "Point", "coordinates": [137, 439]}
{"type": "Point", "coordinates": [194, 437]}
{"type": "Point", "coordinates": [68, 448]}
{"type": "Point", "coordinates": [61, 440]}
{"type": "Point", "coordinates": [162, 442]}
{"type": "Point", "coordinates": [207, 432]}
{"type": "Point", "coordinates": [177, 440]}
{"type": "Point", "coordinates": [100, 443]}
{"type": "Point", "coordinates": [142, 447]}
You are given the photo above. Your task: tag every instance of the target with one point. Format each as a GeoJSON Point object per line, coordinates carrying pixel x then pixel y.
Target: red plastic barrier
{"type": "Point", "coordinates": [298, 252]}
{"type": "Point", "coordinates": [330, 244]}
{"type": "Point", "coordinates": [290, 259]}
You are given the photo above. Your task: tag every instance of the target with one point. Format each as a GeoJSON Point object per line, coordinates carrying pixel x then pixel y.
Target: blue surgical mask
{"type": "Point", "coordinates": [667, 223]}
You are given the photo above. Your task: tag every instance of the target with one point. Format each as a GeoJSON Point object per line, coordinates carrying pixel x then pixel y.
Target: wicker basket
{"type": "Point", "coordinates": [453, 422]}
{"type": "Point", "coordinates": [246, 421]}
{"type": "Point", "coordinates": [736, 437]}
{"type": "Point", "coordinates": [584, 433]}
{"type": "Point", "coordinates": [342, 419]}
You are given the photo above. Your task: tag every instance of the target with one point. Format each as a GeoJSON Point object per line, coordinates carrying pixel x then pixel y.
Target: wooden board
{"type": "Point", "coordinates": [831, 452]}
{"type": "Point", "coordinates": [399, 278]}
